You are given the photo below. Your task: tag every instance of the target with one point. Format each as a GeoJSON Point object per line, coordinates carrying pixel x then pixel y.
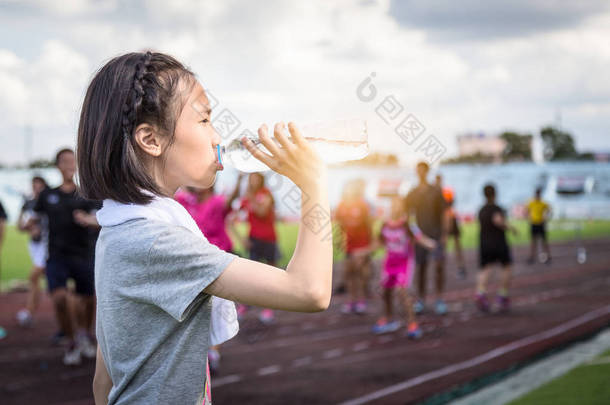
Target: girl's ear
{"type": "Point", "coordinates": [148, 140]}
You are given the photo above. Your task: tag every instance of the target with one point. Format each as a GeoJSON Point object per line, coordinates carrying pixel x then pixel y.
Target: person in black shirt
{"type": "Point", "coordinates": [428, 204]}
{"type": "Point", "coordinates": [70, 222]}
{"type": "Point", "coordinates": [493, 248]}
{"type": "Point", "coordinates": [3, 218]}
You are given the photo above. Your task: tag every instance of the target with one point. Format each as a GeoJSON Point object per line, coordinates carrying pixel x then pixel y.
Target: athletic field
{"type": "Point", "coordinates": [329, 358]}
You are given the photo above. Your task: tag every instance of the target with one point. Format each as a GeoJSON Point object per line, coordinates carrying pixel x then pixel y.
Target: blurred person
{"type": "Point", "coordinates": [399, 240]}
{"type": "Point", "coordinates": [454, 229]}
{"type": "Point", "coordinates": [71, 244]}
{"type": "Point", "coordinates": [262, 240]}
{"type": "Point", "coordinates": [538, 212]}
{"type": "Point", "coordinates": [210, 211]}
{"type": "Point", "coordinates": [3, 218]}
{"type": "Point", "coordinates": [37, 228]}
{"type": "Point", "coordinates": [354, 217]}
{"type": "Point", "coordinates": [426, 201]}
{"type": "Point", "coordinates": [493, 248]}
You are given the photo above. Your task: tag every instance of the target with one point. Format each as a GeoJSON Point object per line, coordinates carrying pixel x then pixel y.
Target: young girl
{"type": "Point", "coordinates": [262, 241]}
{"type": "Point", "coordinates": [144, 132]}
{"type": "Point", "coordinates": [398, 239]}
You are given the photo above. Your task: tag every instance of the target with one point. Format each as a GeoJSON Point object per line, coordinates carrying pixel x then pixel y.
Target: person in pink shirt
{"type": "Point", "coordinates": [210, 210]}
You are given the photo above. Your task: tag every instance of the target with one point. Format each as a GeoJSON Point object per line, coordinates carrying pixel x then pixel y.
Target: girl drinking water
{"type": "Point", "coordinates": [144, 132]}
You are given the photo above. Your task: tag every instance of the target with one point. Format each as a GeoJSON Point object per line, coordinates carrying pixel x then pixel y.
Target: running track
{"type": "Point", "coordinates": [333, 358]}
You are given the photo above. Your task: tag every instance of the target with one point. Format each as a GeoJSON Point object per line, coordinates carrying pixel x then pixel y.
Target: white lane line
{"type": "Point", "coordinates": [229, 379]}
{"type": "Point", "coordinates": [303, 361]}
{"type": "Point", "coordinates": [331, 354]}
{"type": "Point", "coordinates": [360, 346]}
{"type": "Point", "coordinates": [475, 361]}
{"type": "Point", "coordinates": [269, 370]}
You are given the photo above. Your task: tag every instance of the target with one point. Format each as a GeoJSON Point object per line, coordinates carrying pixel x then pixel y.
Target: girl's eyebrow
{"type": "Point", "coordinates": [202, 109]}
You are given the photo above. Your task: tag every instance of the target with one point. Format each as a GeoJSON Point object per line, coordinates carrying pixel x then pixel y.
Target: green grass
{"type": "Point", "coordinates": [16, 261]}
{"type": "Point", "coordinates": [588, 384]}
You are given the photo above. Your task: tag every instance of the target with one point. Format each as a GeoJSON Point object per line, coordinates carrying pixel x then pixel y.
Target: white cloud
{"type": "Point", "coordinates": [303, 60]}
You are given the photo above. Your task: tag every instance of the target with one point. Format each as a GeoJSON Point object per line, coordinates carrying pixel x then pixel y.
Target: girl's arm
{"type": "Point", "coordinates": [101, 380]}
{"type": "Point", "coordinates": [234, 194]}
{"type": "Point", "coordinates": [306, 284]}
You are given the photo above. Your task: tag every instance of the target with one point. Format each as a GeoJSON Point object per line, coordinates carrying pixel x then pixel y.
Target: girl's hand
{"type": "Point", "coordinates": [293, 157]}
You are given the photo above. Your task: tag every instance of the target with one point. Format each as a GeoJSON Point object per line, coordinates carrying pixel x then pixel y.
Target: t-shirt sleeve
{"type": "Point", "coordinates": [2, 212]}
{"type": "Point", "coordinates": [181, 265]}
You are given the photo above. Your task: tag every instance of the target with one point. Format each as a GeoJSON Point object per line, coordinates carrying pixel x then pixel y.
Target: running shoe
{"type": "Point", "coordinates": [440, 307]}
{"type": "Point", "coordinates": [72, 355]}
{"type": "Point", "coordinates": [86, 345]}
{"type": "Point", "coordinates": [383, 326]}
{"type": "Point", "coordinates": [2, 332]}
{"type": "Point", "coordinates": [213, 360]}
{"type": "Point", "coordinates": [347, 308]}
{"type": "Point", "coordinates": [266, 316]}
{"type": "Point", "coordinates": [360, 307]}
{"type": "Point", "coordinates": [482, 302]}
{"type": "Point", "coordinates": [24, 318]}
{"type": "Point", "coordinates": [504, 303]}
{"type": "Point", "coordinates": [419, 307]}
{"type": "Point", "coordinates": [414, 331]}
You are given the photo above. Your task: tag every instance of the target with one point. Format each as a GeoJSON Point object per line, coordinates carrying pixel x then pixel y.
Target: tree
{"type": "Point", "coordinates": [518, 146]}
{"type": "Point", "coordinates": [558, 145]}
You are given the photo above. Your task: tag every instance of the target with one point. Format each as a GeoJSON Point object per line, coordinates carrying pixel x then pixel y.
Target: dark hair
{"type": "Point", "coordinates": [538, 190]}
{"type": "Point", "coordinates": [61, 152]}
{"type": "Point", "coordinates": [489, 191]}
{"type": "Point", "coordinates": [40, 179]}
{"type": "Point", "coordinates": [127, 91]}
{"type": "Point", "coordinates": [423, 165]}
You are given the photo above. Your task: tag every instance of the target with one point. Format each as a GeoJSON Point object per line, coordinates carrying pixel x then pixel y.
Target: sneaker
{"type": "Point", "coordinates": [241, 311]}
{"type": "Point", "coordinates": [504, 303]}
{"type": "Point", "coordinates": [462, 273]}
{"type": "Point", "coordinates": [347, 308]}
{"type": "Point", "coordinates": [383, 326]}
{"type": "Point", "coordinates": [414, 332]}
{"type": "Point", "coordinates": [440, 307]}
{"type": "Point", "coordinates": [24, 318]}
{"type": "Point", "coordinates": [2, 332]}
{"type": "Point", "coordinates": [72, 355]}
{"type": "Point", "coordinates": [418, 307]}
{"type": "Point", "coordinates": [266, 316]}
{"type": "Point", "coordinates": [360, 307]}
{"type": "Point", "coordinates": [213, 360]}
{"type": "Point", "coordinates": [86, 346]}
{"type": "Point", "coordinates": [482, 302]}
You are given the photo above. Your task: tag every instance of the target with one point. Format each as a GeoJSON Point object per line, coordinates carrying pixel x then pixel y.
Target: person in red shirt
{"type": "Point", "coordinates": [354, 217]}
{"type": "Point", "coordinates": [262, 241]}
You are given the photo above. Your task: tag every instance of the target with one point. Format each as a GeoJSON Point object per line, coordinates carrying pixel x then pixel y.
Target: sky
{"type": "Point", "coordinates": [450, 67]}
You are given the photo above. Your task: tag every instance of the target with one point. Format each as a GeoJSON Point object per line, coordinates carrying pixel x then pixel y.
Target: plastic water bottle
{"type": "Point", "coordinates": [334, 142]}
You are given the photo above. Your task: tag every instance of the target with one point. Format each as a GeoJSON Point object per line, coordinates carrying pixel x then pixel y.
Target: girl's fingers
{"type": "Point", "coordinates": [257, 153]}
{"type": "Point", "coordinates": [267, 142]}
{"type": "Point", "coordinates": [296, 134]}
{"type": "Point", "coordinates": [286, 143]}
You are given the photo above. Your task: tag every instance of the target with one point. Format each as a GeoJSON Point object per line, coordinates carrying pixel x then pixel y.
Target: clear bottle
{"type": "Point", "coordinates": [334, 142]}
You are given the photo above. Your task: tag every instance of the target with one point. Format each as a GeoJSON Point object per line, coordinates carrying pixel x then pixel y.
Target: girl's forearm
{"type": "Point", "coordinates": [311, 263]}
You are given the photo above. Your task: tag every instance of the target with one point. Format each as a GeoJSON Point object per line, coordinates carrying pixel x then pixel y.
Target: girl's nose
{"type": "Point", "coordinates": [216, 139]}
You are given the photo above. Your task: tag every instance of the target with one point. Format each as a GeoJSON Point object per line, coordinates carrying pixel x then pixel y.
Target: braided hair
{"type": "Point", "coordinates": [130, 90]}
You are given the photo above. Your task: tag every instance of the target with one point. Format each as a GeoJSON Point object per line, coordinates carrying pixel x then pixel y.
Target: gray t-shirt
{"type": "Point", "coordinates": [153, 320]}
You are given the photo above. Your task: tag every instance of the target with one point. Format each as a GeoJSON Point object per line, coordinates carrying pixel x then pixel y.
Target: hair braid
{"type": "Point", "coordinates": [136, 94]}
